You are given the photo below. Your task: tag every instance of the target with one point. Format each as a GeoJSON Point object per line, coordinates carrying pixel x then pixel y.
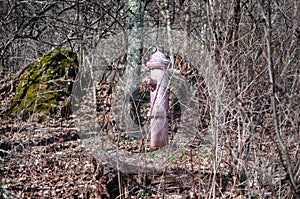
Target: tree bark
{"type": "Point", "coordinates": [134, 56]}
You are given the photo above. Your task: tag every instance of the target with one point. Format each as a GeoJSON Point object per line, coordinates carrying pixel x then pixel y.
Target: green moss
{"type": "Point", "coordinates": [44, 84]}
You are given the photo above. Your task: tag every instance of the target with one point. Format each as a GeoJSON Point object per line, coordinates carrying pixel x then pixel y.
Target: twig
{"type": "Point", "coordinates": [267, 29]}
{"type": "Point", "coordinates": [193, 177]}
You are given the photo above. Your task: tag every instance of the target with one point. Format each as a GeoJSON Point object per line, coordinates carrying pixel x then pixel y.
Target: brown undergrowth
{"type": "Point", "coordinates": [47, 160]}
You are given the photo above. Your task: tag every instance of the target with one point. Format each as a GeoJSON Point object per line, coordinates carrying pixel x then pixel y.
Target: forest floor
{"type": "Point", "coordinates": [52, 160]}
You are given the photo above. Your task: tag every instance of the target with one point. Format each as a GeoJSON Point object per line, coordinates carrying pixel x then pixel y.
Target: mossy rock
{"type": "Point", "coordinates": [45, 87]}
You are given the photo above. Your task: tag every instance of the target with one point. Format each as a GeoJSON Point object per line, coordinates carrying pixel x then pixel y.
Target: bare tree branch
{"type": "Point", "coordinates": [268, 29]}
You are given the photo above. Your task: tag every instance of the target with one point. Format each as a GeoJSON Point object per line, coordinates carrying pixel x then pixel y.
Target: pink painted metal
{"type": "Point", "coordinates": [158, 64]}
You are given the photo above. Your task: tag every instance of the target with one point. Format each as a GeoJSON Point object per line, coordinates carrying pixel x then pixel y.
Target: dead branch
{"type": "Point", "coordinates": [267, 29]}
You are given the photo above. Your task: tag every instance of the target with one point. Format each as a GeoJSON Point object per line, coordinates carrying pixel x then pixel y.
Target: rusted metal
{"type": "Point", "coordinates": [159, 80]}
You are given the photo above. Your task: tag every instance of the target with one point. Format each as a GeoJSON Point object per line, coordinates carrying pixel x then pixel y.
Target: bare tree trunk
{"type": "Point", "coordinates": [134, 56]}
{"type": "Point", "coordinates": [187, 21]}
{"type": "Point", "coordinates": [3, 10]}
{"type": "Point", "coordinates": [164, 9]}
{"type": "Point", "coordinates": [135, 43]}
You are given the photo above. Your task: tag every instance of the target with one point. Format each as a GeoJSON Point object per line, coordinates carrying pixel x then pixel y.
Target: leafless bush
{"type": "Point", "coordinates": [31, 28]}
{"type": "Point", "coordinates": [241, 50]}
{"type": "Point", "coordinates": [240, 148]}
